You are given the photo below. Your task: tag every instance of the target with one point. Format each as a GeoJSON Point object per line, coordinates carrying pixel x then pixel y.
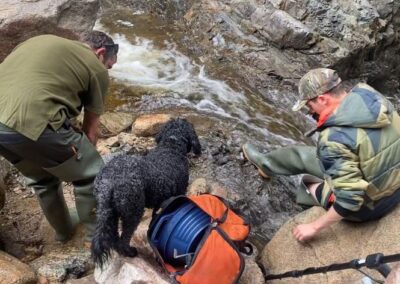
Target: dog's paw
{"type": "Point", "coordinates": [128, 251]}
{"type": "Point", "coordinates": [131, 252]}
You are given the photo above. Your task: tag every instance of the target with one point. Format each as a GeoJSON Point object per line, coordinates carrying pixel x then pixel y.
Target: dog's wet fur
{"type": "Point", "coordinates": [129, 183]}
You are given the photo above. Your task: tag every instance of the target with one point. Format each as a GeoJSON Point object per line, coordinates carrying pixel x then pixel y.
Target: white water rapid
{"type": "Point", "coordinates": [140, 63]}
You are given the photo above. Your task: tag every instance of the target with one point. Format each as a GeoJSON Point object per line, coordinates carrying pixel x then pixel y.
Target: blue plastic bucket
{"type": "Point", "coordinates": [177, 234]}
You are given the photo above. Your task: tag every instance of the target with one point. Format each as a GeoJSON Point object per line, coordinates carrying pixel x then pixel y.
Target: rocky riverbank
{"type": "Point", "coordinates": [259, 47]}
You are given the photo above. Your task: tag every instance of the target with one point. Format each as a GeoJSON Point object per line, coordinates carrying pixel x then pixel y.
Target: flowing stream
{"type": "Point", "coordinates": [153, 62]}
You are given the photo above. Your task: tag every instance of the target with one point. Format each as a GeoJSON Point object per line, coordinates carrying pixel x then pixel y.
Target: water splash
{"type": "Point", "coordinates": [141, 63]}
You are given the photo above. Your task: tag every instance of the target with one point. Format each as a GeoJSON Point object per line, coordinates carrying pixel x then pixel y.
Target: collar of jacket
{"type": "Point", "coordinates": [323, 118]}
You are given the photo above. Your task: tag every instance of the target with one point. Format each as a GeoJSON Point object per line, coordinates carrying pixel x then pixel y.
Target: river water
{"type": "Point", "coordinates": [150, 60]}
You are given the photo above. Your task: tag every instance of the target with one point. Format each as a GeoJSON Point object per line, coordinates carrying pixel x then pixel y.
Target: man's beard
{"type": "Point", "coordinates": [315, 116]}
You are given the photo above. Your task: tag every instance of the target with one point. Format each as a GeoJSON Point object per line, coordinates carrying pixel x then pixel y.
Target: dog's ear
{"type": "Point", "coordinates": [194, 142]}
{"type": "Point", "coordinates": [163, 130]}
{"type": "Point", "coordinates": [158, 136]}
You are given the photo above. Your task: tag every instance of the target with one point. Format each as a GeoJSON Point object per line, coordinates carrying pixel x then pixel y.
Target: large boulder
{"type": "Point", "coordinates": [13, 271]}
{"type": "Point", "coordinates": [20, 20]}
{"type": "Point", "coordinates": [112, 123]}
{"type": "Point", "coordinates": [149, 125]}
{"type": "Point", "coordinates": [130, 270]}
{"type": "Point", "coordinates": [284, 30]}
{"type": "Point", "coordinates": [342, 242]}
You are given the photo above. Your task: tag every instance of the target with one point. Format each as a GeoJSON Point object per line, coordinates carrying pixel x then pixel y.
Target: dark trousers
{"type": "Point", "coordinates": [62, 155]}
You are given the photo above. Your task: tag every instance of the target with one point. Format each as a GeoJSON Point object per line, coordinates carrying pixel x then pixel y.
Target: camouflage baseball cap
{"type": "Point", "coordinates": [316, 82]}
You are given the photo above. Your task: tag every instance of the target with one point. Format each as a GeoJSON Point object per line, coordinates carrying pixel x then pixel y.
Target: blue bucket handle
{"type": "Point", "coordinates": [158, 228]}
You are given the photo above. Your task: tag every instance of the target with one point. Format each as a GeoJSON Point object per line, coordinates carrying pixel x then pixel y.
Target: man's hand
{"type": "Point", "coordinates": [305, 232]}
{"type": "Point", "coordinates": [90, 126]}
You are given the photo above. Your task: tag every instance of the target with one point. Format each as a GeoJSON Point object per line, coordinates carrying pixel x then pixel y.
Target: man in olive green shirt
{"type": "Point", "coordinates": [44, 82]}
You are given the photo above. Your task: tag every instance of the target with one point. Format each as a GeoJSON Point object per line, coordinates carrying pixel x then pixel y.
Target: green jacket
{"type": "Point", "coordinates": [359, 150]}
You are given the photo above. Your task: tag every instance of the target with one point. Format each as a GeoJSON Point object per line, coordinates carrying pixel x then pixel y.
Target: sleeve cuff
{"type": "Point", "coordinates": [98, 111]}
{"type": "Point", "coordinates": [342, 211]}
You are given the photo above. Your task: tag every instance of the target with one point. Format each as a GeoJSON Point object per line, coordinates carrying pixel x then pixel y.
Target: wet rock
{"type": "Point", "coordinates": [63, 263]}
{"type": "Point", "coordinates": [139, 239]}
{"type": "Point", "coordinates": [21, 20]}
{"type": "Point", "coordinates": [130, 270]}
{"type": "Point", "coordinates": [124, 142]}
{"type": "Point", "coordinates": [68, 14]}
{"type": "Point", "coordinates": [149, 125]}
{"type": "Point", "coordinates": [220, 191]}
{"type": "Point", "coordinates": [222, 154]}
{"type": "Point", "coordinates": [19, 222]}
{"type": "Point", "coordinates": [283, 30]}
{"type": "Point", "coordinates": [13, 271]}
{"type": "Point", "coordinates": [140, 145]}
{"type": "Point", "coordinates": [112, 123]}
{"type": "Point", "coordinates": [84, 280]}
{"type": "Point", "coordinates": [252, 273]}
{"type": "Point", "coordinates": [291, 7]}
{"type": "Point", "coordinates": [104, 146]}
{"type": "Point", "coordinates": [202, 123]}
{"type": "Point", "coordinates": [198, 186]}
{"type": "Point", "coordinates": [334, 245]}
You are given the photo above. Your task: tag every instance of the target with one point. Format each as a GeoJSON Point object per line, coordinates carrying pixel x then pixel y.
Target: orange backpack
{"type": "Point", "coordinates": [218, 237]}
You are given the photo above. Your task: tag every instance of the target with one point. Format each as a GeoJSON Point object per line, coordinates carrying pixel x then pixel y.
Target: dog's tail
{"type": "Point", "coordinates": [106, 235]}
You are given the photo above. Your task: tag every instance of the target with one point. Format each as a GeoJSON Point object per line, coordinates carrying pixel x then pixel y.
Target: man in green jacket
{"type": "Point", "coordinates": [44, 82]}
{"type": "Point", "coordinates": [355, 167]}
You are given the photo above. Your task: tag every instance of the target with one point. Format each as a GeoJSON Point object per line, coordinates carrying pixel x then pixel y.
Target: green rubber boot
{"type": "Point", "coordinates": [81, 170]}
{"type": "Point", "coordinates": [303, 195]}
{"type": "Point", "coordinates": [286, 161]}
{"type": "Point", "coordinates": [51, 200]}
{"type": "Point", "coordinates": [257, 159]}
{"type": "Point", "coordinates": [86, 207]}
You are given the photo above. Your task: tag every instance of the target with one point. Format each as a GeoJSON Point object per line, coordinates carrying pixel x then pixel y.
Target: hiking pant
{"type": "Point", "coordinates": [62, 155]}
{"type": "Point", "coordinates": [295, 160]}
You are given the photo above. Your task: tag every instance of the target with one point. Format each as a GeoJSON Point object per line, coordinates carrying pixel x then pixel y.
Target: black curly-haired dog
{"type": "Point", "coordinates": [129, 183]}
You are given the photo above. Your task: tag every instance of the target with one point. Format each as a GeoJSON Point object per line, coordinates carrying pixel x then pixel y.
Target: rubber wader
{"type": "Point", "coordinates": [288, 161]}
{"type": "Point", "coordinates": [81, 169]}
{"type": "Point", "coordinates": [51, 199]}
{"type": "Point", "coordinates": [303, 195]}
